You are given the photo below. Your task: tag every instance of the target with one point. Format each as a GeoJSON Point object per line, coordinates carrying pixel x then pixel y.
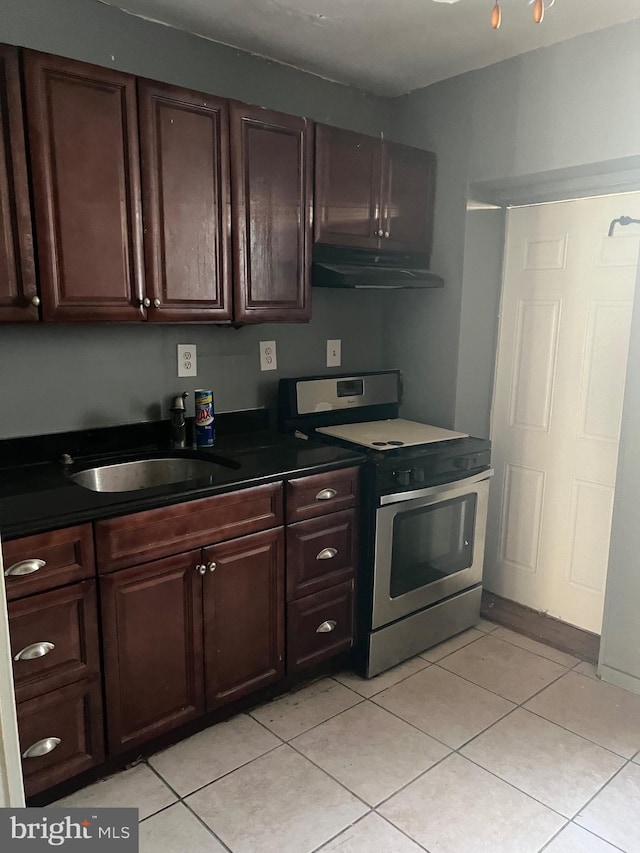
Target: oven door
{"type": "Point", "coordinates": [429, 544]}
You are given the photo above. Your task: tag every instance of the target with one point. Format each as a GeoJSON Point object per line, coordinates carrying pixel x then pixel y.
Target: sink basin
{"type": "Point", "coordinates": [145, 473]}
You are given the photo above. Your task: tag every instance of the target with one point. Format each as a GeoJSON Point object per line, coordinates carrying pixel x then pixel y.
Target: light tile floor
{"type": "Point", "coordinates": [488, 743]}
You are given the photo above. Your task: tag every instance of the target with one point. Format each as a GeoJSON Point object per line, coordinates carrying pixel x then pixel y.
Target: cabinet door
{"type": "Point", "coordinates": [409, 191]}
{"type": "Point", "coordinates": [152, 636]}
{"type": "Point", "coordinates": [18, 298]}
{"type": "Point", "coordinates": [243, 615]}
{"type": "Point", "coordinates": [271, 194]}
{"type": "Point", "coordinates": [185, 186]}
{"type": "Point", "coordinates": [347, 193]}
{"type": "Point", "coordinates": [83, 135]}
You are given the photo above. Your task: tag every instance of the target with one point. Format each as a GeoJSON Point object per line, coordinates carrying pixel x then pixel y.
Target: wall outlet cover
{"type": "Point", "coordinates": [187, 360]}
{"type": "Point", "coordinates": [268, 356]}
{"type": "Point", "coordinates": [334, 353]}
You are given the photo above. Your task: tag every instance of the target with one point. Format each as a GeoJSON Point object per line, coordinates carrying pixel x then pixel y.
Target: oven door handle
{"type": "Point", "coordinates": [436, 490]}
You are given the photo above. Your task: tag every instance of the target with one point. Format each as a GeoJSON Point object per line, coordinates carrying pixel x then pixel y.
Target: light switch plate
{"type": "Point", "coordinates": [268, 356]}
{"type": "Point", "coordinates": [187, 360]}
{"type": "Point", "coordinates": [334, 353]}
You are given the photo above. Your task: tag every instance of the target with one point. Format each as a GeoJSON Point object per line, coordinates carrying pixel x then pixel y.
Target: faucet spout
{"type": "Point", "coordinates": [178, 422]}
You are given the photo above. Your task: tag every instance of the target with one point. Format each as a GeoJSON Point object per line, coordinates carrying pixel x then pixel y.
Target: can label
{"type": "Point", "coordinates": [205, 425]}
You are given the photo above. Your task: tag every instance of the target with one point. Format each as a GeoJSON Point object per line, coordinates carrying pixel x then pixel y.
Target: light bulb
{"type": "Point", "coordinates": [538, 11]}
{"type": "Point", "coordinates": [496, 16]}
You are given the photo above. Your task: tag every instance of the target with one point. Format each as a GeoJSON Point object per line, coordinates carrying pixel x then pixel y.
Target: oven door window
{"type": "Point", "coordinates": [431, 543]}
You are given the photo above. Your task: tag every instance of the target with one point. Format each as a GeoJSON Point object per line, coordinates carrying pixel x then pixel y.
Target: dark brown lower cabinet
{"type": "Point", "coordinates": [243, 615]}
{"type": "Point", "coordinates": [189, 633]}
{"type": "Point", "coordinates": [61, 734]}
{"type": "Point", "coordinates": [320, 626]}
{"type": "Point", "coordinates": [152, 635]}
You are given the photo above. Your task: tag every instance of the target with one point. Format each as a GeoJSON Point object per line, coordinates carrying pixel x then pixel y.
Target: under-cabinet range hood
{"type": "Point", "coordinates": [365, 269]}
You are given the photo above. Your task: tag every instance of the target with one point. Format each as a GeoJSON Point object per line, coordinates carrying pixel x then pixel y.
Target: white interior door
{"type": "Point", "coordinates": [562, 353]}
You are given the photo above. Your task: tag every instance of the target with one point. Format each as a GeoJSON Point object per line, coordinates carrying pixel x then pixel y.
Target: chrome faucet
{"type": "Point", "coordinates": [178, 422]}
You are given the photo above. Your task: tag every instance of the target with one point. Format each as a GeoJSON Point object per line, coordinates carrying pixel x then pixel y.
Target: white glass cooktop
{"type": "Point", "coordinates": [390, 434]}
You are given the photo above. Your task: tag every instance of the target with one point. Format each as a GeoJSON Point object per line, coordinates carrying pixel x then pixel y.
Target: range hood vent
{"type": "Point", "coordinates": [355, 269]}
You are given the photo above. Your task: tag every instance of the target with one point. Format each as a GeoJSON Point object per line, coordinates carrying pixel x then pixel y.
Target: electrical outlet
{"type": "Point", "coordinates": [187, 360]}
{"type": "Point", "coordinates": [268, 358]}
{"type": "Point", "coordinates": [334, 353]}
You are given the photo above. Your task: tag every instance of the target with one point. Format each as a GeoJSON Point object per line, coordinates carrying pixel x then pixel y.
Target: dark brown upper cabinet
{"type": "Point", "coordinates": [186, 204]}
{"type": "Point", "coordinates": [18, 296]}
{"type": "Point", "coordinates": [372, 194]}
{"type": "Point", "coordinates": [83, 135]}
{"type": "Point", "coordinates": [271, 160]}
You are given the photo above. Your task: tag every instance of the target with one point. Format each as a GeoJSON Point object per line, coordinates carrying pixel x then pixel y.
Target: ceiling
{"type": "Point", "coordinates": [387, 47]}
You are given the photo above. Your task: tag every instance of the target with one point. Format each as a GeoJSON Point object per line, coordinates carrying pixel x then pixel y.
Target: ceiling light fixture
{"type": "Point", "coordinates": [539, 8]}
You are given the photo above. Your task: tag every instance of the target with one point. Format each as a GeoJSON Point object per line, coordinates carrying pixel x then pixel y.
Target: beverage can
{"type": "Point", "coordinates": [205, 423]}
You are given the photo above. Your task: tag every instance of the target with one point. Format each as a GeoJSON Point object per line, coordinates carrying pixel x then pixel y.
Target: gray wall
{"type": "Point", "coordinates": [84, 376]}
{"type": "Point", "coordinates": [569, 110]}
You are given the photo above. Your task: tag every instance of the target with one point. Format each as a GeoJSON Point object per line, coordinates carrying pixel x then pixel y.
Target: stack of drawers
{"type": "Point", "coordinates": [322, 556]}
{"type": "Point", "coordinates": [53, 623]}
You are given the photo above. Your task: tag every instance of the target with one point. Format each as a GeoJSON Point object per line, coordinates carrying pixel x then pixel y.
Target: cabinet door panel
{"type": "Point", "coordinates": [243, 615]}
{"type": "Point", "coordinates": [271, 185]}
{"type": "Point", "coordinates": [347, 194]}
{"type": "Point", "coordinates": [185, 182]}
{"type": "Point", "coordinates": [152, 630]}
{"type": "Point", "coordinates": [83, 138]}
{"type": "Point", "coordinates": [65, 618]}
{"type": "Point", "coordinates": [409, 189]}
{"type": "Point", "coordinates": [17, 269]}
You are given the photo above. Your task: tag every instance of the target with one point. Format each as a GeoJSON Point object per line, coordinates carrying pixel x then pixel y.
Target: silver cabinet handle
{"type": "Point", "coordinates": [41, 747]}
{"type": "Point", "coordinates": [386, 234]}
{"type": "Point", "coordinates": [156, 302]}
{"type": "Point", "coordinates": [35, 301]}
{"type": "Point", "coordinates": [145, 303]}
{"type": "Point", "coordinates": [326, 554]}
{"type": "Point", "coordinates": [326, 494]}
{"type": "Point", "coordinates": [35, 650]}
{"type": "Point", "coordinates": [212, 566]}
{"type": "Point", "coordinates": [326, 627]}
{"type": "Point", "coordinates": [25, 567]}
{"type": "Point", "coordinates": [200, 568]}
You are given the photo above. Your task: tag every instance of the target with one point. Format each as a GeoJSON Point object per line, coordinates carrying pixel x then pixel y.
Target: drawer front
{"type": "Point", "coordinates": [319, 626]}
{"type": "Point", "coordinates": [155, 533]}
{"type": "Point", "coordinates": [47, 560]}
{"type": "Point", "coordinates": [309, 497]}
{"type": "Point", "coordinates": [321, 552]}
{"type": "Point", "coordinates": [54, 635]}
{"type": "Point", "coordinates": [72, 715]}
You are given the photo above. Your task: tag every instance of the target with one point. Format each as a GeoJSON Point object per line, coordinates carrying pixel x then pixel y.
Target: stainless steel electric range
{"type": "Point", "coordinates": [424, 511]}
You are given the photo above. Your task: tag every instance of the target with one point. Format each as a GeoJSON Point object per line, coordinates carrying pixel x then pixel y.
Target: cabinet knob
{"type": "Point", "coordinates": [156, 303]}
{"type": "Point", "coordinates": [326, 495]}
{"type": "Point", "coordinates": [386, 234]}
{"type": "Point", "coordinates": [146, 302]}
{"type": "Point", "coordinates": [41, 747]}
{"type": "Point", "coordinates": [326, 554]}
{"type": "Point", "coordinates": [35, 301]}
{"type": "Point", "coordinates": [212, 566]}
{"type": "Point", "coordinates": [25, 567]}
{"type": "Point", "coordinates": [35, 650]}
{"type": "Point", "coordinates": [326, 627]}
{"type": "Point", "coordinates": [201, 569]}
{"type": "Point", "coordinates": [380, 232]}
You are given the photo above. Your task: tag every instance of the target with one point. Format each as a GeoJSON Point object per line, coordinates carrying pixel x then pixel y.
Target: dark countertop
{"type": "Point", "coordinates": [39, 496]}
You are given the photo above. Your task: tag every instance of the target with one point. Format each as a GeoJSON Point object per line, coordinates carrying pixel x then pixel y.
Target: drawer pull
{"type": "Point", "coordinates": [326, 627]}
{"type": "Point", "coordinates": [35, 650]}
{"type": "Point", "coordinates": [326, 554]}
{"type": "Point", "coordinates": [25, 567]}
{"type": "Point", "coordinates": [326, 494]}
{"type": "Point", "coordinates": [41, 747]}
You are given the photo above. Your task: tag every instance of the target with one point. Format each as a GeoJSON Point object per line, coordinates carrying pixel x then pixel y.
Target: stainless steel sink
{"type": "Point", "coordinates": [145, 473]}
